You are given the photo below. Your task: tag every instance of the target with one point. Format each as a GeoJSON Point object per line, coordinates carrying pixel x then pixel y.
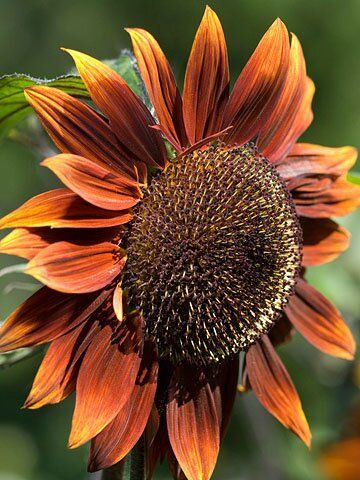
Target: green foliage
{"type": "Point", "coordinates": [354, 177]}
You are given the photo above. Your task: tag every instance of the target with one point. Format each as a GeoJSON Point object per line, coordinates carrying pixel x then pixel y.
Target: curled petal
{"type": "Point", "coordinates": [274, 388]}
{"type": "Point", "coordinates": [71, 268]}
{"type": "Point", "coordinates": [193, 425]}
{"type": "Point", "coordinates": [259, 86]}
{"type": "Point", "coordinates": [317, 319]}
{"type": "Point", "coordinates": [292, 113]}
{"type": "Point", "coordinates": [105, 381]}
{"type": "Point", "coordinates": [62, 208]}
{"type": "Point", "coordinates": [76, 128]}
{"type": "Point", "coordinates": [306, 160]}
{"type": "Point", "coordinates": [129, 118]}
{"type": "Point", "coordinates": [118, 302]}
{"type": "Point", "coordinates": [45, 316]}
{"type": "Point", "coordinates": [118, 438]}
{"type": "Point", "coordinates": [324, 240]}
{"type": "Point", "coordinates": [206, 84]}
{"type": "Point", "coordinates": [161, 85]}
{"type": "Point", "coordinates": [92, 182]}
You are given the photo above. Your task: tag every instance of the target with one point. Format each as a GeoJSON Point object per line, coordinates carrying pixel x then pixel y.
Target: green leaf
{"type": "Point", "coordinates": [354, 177]}
{"type": "Point", "coordinates": [13, 104]}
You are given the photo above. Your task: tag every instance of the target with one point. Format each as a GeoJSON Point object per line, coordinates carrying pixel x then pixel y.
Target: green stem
{"type": "Point", "coordinates": [131, 468]}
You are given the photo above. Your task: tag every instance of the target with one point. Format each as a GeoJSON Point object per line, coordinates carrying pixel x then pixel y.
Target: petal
{"type": "Point", "coordinates": [317, 319]}
{"type": "Point", "coordinates": [45, 316]}
{"type": "Point", "coordinates": [92, 182]}
{"type": "Point", "coordinates": [292, 113]}
{"type": "Point", "coordinates": [274, 389]}
{"type": "Point", "coordinates": [56, 377]}
{"type": "Point", "coordinates": [119, 437]}
{"type": "Point", "coordinates": [257, 90]}
{"type": "Point", "coordinates": [76, 128]}
{"type": "Point", "coordinates": [324, 240]}
{"type": "Point", "coordinates": [193, 424]}
{"type": "Point", "coordinates": [206, 84]}
{"type": "Point", "coordinates": [118, 301]}
{"type": "Point", "coordinates": [129, 118]}
{"type": "Point", "coordinates": [306, 159]}
{"type": "Point", "coordinates": [161, 85]}
{"type": "Point", "coordinates": [228, 380]}
{"type": "Point", "coordinates": [62, 208]}
{"type": "Point", "coordinates": [340, 461]}
{"type": "Point", "coordinates": [106, 380]}
{"type": "Point", "coordinates": [71, 268]}
{"type": "Point", "coordinates": [322, 198]}
{"type": "Point", "coordinates": [28, 242]}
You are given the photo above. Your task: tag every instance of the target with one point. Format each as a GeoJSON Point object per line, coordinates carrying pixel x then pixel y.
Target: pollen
{"type": "Point", "coordinates": [214, 252]}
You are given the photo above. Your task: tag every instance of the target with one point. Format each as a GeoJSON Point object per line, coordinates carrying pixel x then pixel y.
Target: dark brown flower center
{"type": "Point", "coordinates": [213, 254]}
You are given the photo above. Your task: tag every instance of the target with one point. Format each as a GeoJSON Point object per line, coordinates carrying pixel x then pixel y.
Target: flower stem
{"type": "Point", "coordinates": [132, 467]}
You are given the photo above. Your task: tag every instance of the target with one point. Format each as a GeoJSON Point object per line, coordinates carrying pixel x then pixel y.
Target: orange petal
{"type": "Point", "coordinates": [321, 197]}
{"type": "Point", "coordinates": [62, 208]}
{"type": "Point", "coordinates": [76, 128]}
{"type": "Point", "coordinates": [259, 86]}
{"type": "Point", "coordinates": [340, 461]}
{"type": "Point", "coordinates": [46, 315]}
{"type": "Point", "coordinates": [56, 377]}
{"type": "Point", "coordinates": [28, 242]}
{"type": "Point", "coordinates": [129, 117]}
{"type": "Point", "coordinates": [161, 85]}
{"type": "Point", "coordinates": [92, 182]}
{"type": "Point", "coordinates": [193, 424]}
{"type": "Point", "coordinates": [105, 381]}
{"type": "Point", "coordinates": [317, 319]}
{"type": "Point", "coordinates": [118, 302]}
{"type": "Point", "coordinates": [306, 159]}
{"type": "Point", "coordinates": [324, 240]}
{"type": "Point", "coordinates": [292, 113]}
{"type": "Point", "coordinates": [119, 437]}
{"type": "Point", "coordinates": [71, 268]}
{"type": "Point", "coordinates": [206, 84]}
{"type": "Point", "coordinates": [274, 388]}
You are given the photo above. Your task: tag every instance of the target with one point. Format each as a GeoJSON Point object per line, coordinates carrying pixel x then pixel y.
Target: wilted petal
{"type": "Point", "coordinates": [63, 208]}
{"type": "Point", "coordinates": [193, 424]}
{"type": "Point", "coordinates": [74, 268]}
{"type": "Point", "coordinates": [76, 128]}
{"type": "Point", "coordinates": [161, 85]}
{"type": "Point", "coordinates": [129, 118]}
{"type": "Point", "coordinates": [206, 84]}
{"type": "Point", "coordinates": [119, 437]}
{"type": "Point", "coordinates": [257, 90]}
{"type": "Point", "coordinates": [317, 319]}
{"type": "Point", "coordinates": [324, 240]}
{"type": "Point", "coordinates": [274, 388]}
{"type": "Point", "coordinates": [292, 113]}
{"type": "Point", "coordinates": [106, 380]}
{"type": "Point", "coordinates": [46, 315]}
{"type": "Point", "coordinates": [93, 183]}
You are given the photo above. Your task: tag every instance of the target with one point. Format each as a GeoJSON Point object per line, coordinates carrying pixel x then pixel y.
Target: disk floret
{"type": "Point", "coordinates": [213, 253]}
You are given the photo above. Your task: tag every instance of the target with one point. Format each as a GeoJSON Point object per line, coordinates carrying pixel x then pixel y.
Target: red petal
{"type": "Point", "coordinates": [324, 240]}
{"type": "Point", "coordinates": [193, 424]}
{"type": "Point", "coordinates": [92, 182]}
{"type": "Point", "coordinates": [56, 377]}
{"type": "Point", "coordinates": [74, 268]}
{"type": "Point", "coordinates": [105, 381]}
{"type": "Point", "coordinates": [129, 117]}
{"type": "Point", "coordinates": [292, 113]}
{"type": "Point", "coordinates": [45, 316]}
{"type": "Point", "coordinates": [257, 90]}
{"type": "Point", "coordinates": [206, 84]}
{"type": "Point", "coordinates": [119, 437]}
{"type": "Point", "coordinates": [76, 128]}
{"type": "Point", "coordinates": [62, 208]}
{"type": "Point", "coordinates": [317, 319]}
{"type": "Point", "coordinates": [274, 389]}
{"type": "Point", "coordinates": [161, 85]}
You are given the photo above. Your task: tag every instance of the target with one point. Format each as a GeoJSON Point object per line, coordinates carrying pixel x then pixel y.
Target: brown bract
{"type": "Point", "coordinates": [75, 239]}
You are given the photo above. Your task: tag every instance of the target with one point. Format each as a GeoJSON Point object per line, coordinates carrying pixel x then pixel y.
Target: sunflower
{"type": "Point", "coordinates": [161, 270]}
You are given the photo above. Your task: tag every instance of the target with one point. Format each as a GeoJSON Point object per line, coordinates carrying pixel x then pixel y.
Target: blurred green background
{"type": "Point", "coordinates": [33, 443]}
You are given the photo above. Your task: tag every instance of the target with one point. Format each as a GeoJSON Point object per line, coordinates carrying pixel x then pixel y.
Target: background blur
{"type": "Point", "coordinates": [33, 443]}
